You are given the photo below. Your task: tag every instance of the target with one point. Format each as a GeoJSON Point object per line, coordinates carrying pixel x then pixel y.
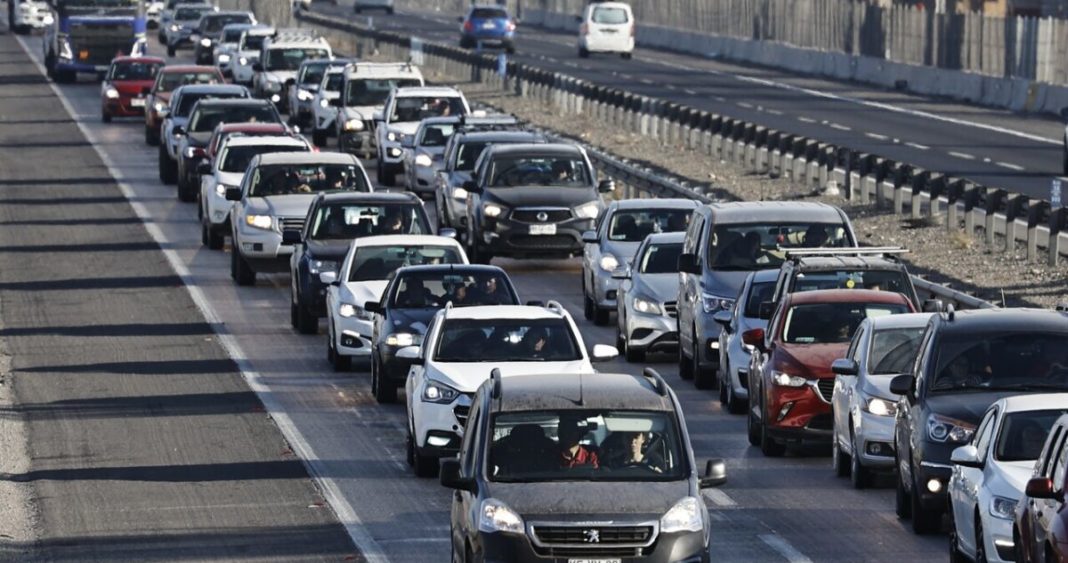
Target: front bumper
{"type": "Point", "coordinates": [263, 247]}
{"type": "Point", "coordinates": [435, 423]}
{"type": "Point", "coordinates": [362, 142]}
{"type": "Point", "coordinates": [798, 415]}
{"type": "Point", "coordinates": [933, 464]}
{"type": "Point", "coordinates": [605, 288]}
{"type": "Point", "coordinates": [393, 369]}
{"type": "Point", "coordinates": [513, 238]}
{"type": "Point", "coordinates": [425, 179]}
{"type": "Point", "coordinates": [352, 336]}
{"type": "Point", "coordinates": [391, 154]}
{"type": "Point", "coordinates": [875, 438]}
{"type": "Point", "coordinates": [216, 207]}
{"type": "Point", "coordinates": [708, 341]}
{"type": "Point", "coordinates": [125, 106]}
{"type": "Point", "coordinates": [609, 44]}
{"type": "Point", "coordinates": [683, 547]}
{"type": "Point", "coordinates": [652, 333]}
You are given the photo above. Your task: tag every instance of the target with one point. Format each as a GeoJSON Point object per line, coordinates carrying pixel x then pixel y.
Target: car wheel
{"type": "Point", "coordinates": [839, 460]}
{"type": "Point", "coordinates": [168, 169]}
{"type": "Point", "coordinates": [980, 541]}
{"type": "Point", "coordinates": [293, 315]}
{"type": "Point", "coordinates": [923, 521]}
{"type": "Point", "coordinates": [752, 428]}
{"type": "Point", "coordinates": [859, 475]}
{"type": "Point", "coordinates": [170, 50]}
{"type": "Point", "coordinates": [211, 239]}
{"type": "Point", "coordinates": [621, 343]}
{"type": "Point", "coordinates": [600, 316]}
{"type": "Point", "coordinates": [380, 174]}
{"type": "Point", "coordinates": [583, 53]}
{"type": "Point", "coordinates": [735, 404]}
{"type": "Point", "coordinates": [626, 56]}
{"type": "Point", "coordinates": [105, 117]}
{"type": "Point", "coordinates": [723, 384]}
{"type": "Point", "coordinates": [356, 9]}
{"type": "Point", "coordinates": [319, 138]}
{"type": "Point", "coordinates": [1064, 158]}
{"type": "Point", "coordinates": [633, 353]}
{"type": "Point", "coordinates": [240, 270]}
{"type": "Point", "coordinates": [425, 466]}
{"type": "Point", "coordinates": [702, 378]}
{"type": "Point", "coordinates": [151, 138]}
{"type": "Point", "coordinates": [338, 361]}
{"type": "Point", "coordinates": [768, 446]}
{"type": "Point", "coordinates": [902, 500]}
{"type": "Point", "coordinates": [187, 193]}
{"type": "Point", "coordinates": [510, 49]}
{"type": "Point", "coordinates": [685, 367]}
{"type": "Point", "coordinates": [307, 323]}
{"type": "Point", "coordinates": [955, 554]}
{"type": "Point", "coordinates": [384, 394]}
{"type": "Point", "coordinates": [587, 303]}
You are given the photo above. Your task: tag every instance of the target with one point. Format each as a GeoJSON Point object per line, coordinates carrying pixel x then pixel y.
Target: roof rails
{"type": "Point", "coordinates": [292, 34]}
{"type": "Point", "coordinates": [555, 306]}
{"type": "Point", "coordinates": [495, 378]}
{"type": "Point", "coordinates": [658, 382]}
{"type": "Point", "coordinates": [880, 250]}
{"type": "Point", "coordinates": [468, 122]}
{"type": "Point", "coordinates": [950, 312]}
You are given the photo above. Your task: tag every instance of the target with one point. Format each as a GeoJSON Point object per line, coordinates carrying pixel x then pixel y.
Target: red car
{"type": "Point", "coordinates": [1040, 528]}
{"type": "Point", "coordinates": [158, 94]}
{"type": "Point", "coordinates": [790, 378]}
{"type": "Point", "coordinates": [122, 91]}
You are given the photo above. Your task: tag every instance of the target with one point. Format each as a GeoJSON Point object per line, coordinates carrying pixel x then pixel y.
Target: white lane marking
{"type": "Point", "coordinates": [841, 127]}
{"type": "Point", "coordinates": [719, 498]}
{"type": "Point", "coordinates": [721, 99]}
{"type": "Point", "coordinates": [416, 540]}
{"type": "Point", "coordinates": [1011, 166]}
{"type": "Point", "coordinates": [627, 76]}
{"type": "Point", "coordinates": [745, 105]}
{"type": "Point", "coordinates": [784, 548]}
{"type": "Point", "coordinates": [669, 86]}
{"type": "Point", "coordinates": [689, 91]}
{"type": "Point", "coordinates": [867, 103]}
{"type": "Point", "coordinates": [570, 64]}
{"type": "Point", "coordinates": [645, 81]}
{"type": "Point", "coordinates": [917, 146]}
{"type": "Point", "coordinates": [963, 155]}
{"type": "Point", "coordinates": [774, 112]}
{"type": "Point", "coordinates": [344, 511]}
{"type": "Point", "coordinates": [804, 119]}
{"type": "Point", "coordinates": [877, 136]}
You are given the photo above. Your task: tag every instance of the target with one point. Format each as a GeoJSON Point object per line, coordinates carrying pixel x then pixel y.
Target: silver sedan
{"type": "Point", "coordinates": [646, 305]}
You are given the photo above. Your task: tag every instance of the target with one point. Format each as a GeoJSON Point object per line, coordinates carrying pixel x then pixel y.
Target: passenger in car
{"type": "Point", "coordinates": [572, 453]}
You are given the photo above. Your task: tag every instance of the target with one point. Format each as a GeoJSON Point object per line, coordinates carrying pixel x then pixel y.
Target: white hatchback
{"type": "Point", "coordinates": [606, 27]}
{"type": "Point", "coordinates": [462, 346]}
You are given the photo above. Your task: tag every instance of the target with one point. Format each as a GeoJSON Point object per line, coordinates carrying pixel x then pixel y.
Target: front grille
{"type": "Point", "coordinates": [461, 412]}
{"type": "Point", "coordinates": [585, 535]}
{"type": "Point", "coordinates": [826, 388]}
{"type": "Point", "coordinates": [672, 309]}
{"type": "Point", "coordinates": [821, 422]}
{"type": "Point", "coordinates": [592, 552]}
{"type": "Point", "coordinates": [548, 242]}
{"type": "Point", "coordinates": [291, 223]}
{"type": "Point", "coordinates": [525, 215]}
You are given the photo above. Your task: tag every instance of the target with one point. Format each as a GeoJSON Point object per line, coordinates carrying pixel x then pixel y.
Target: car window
{"type": "Point", "coordinates": [693, 234]}
{"type": "Point", "coordinates": [1024, 433]}
{"type": "Point", "coordinates": [1049, 452]}
{"type": "Point", "coordinates": [467, 154]}
{"type": "Point", "coordinates": [378, 262]}
{"type": "Point", "coordinates": [418, 108]}
{"type": "Point", "coordinates": [356, 220]}
{"type": "Point", "coordinates": [237, 159]}
{"type": "Point", "coordinates": [334, 80]}
{"type": "Point", "coordinates": [661, 258]}
{"type": "Point", "coordinates": [507, 340]}
{"type": "Point", "coordinates": [171, 80]}
{"type": "Point", "coordinates": [894, 350]}
{"type": "Point", "coordinates": [605, 15]}
{"type": "Point", "coordinates": [488, 13]}
{"type": "Point", "coordinates": [753, 246]}
{"type": "Point", "coordinates": [205, 119]}
{"type": "Point", "coordinates": [290, 58]}
{"type": "Point", "coordinates": [635, 225]}
{"type": "Point", "coordinates": [984, 432]}
{"type": "Point", "coordinates": [436, 135]}
{"type": "Point", "coordinates": [252, 43]}
{"type": "Point", "coordinates": [187, 102]}
{"type": "Point", "coordinates": [285, 179]}
{"type": "Point", "coordinates": [186, 14]}
{"type": "Point", "coordinates": [370, 92]}
{"type": "Point", "coordinates": [132, 70]}
{"type": "Point", "coordinates": [216, 23]}
{"type": "Point", "coordinates": [232, 35]}
{"type": "Point", "coordinates": [828, 323]}
{"type": "Point", "coordinates": [854, 345]}
{"type": "Point", "coordinates": [585, 445]}
{"type": "Point", "coordinates": [759, 292]}
{"type": "Point", "coordinates": [1058, 469]}
{"type": "Point", "coordinates": [556, 171]}
{"type": "Point", "coordinates": [313, 73]}
{"type": "Point", "coordinates": [999, 361]}
{"type": "Point", "coordinates": [432, 290]}
{"type": "Point", "coordinates": [884, 280]}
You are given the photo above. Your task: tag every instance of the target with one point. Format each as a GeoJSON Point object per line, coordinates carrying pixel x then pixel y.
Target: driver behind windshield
{"type": "Point", "coordinates": [630, 449]}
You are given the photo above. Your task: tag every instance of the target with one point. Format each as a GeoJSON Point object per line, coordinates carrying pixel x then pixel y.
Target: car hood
{"type": "Point", "coordinates": [967, 406]}
{"type": "Point", "coordinates": [280, 75]}
{"type": "Point", "coordinates": [329, 249]}
{"type": "Point", "coordinates": [662, 287]}
{"type": "Point", "coordinates": [467, 376]}
{"type": "Point", "coordinates": [406, 127]}
{"type": "Point", "coordinates": [541, 196]}
{"type": "Point", "coordinates": [624, 251]}
{"type": "Point", "coordinates": [290, 205]}
{"type": "Point", "coordinates": [360, 112]}
{"type": "Point", "coordinates": [627, 500]}
{"type": "Point", "coordinates": [364, 291]}
{"type": "Point", "coordinates": [879, 386]}
{"type": "Point", "coordinates": [410, 320]}
{"type": "Point", "coordinates": [1015, 474]}
{"type": "Point", "coordinates": [725, 283]}
{"type": "Point", "coordinates": [131, 87]}
{"type": "Point", "coordinates": [809, 360]}
{"type": "Point", "coordinates": [197, 138]}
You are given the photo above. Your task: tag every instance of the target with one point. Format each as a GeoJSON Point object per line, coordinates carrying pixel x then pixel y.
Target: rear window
{"type": "Point", "coordinates": [467, 154]}
{"type": "Point", "coordinates": [207, 118]}
{"type": "Point", "coordinates": [334, 81]}
{"type": "Point", "coordinates": [1023, 434]}
{"type": "Point", "coordinates": [609, 16]}
{"type": "Point", "coordinates": [831, 323]}
{"type": "Point", "coordinates": [172, 80]}
{"type": "Point", "coordinates": [253, 42]}
{"type": "Point", "coordinates": [488, 13]}
{"type": "Point", "coordinates": [436, 135]}
{"type": "Point", "coordinates": [232, 35]}
{"type": "Point", "coordinates": [356, 220]}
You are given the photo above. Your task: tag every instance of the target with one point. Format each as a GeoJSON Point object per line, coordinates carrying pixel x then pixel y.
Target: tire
{"type": "Point", "coordinates": [293, 314]}
{"type": "Point", "coordinates": [211, 238]}
{"type": "Point", "coordinates": [105, 117]}
{"type": "Point", "coordinates": [583, 53]}
{"type": "Point", "coordinates": [980, 542]}
{"type": "Point", "coordinates": [66, 76]}
{"type": "Point", "coordinates": [839, 460]}
{"type": "Point", "coordinates": [319, 138]}
{"type": "Point", "coordinates": [768, 446]}
{"type": "Point", "coordinates": [859, 476]}
{"type": "Point", "coordinates": [1064, 158]}
{"type": "Point", "coordinates": [634, 355]}
{"type": "Point", "coordinates": [510, 49]}
{"type": "Point", "coordinates": [923, 521]}
{"type": "Point", "coordinates": [171, 51]}
{"type": "Point", "coordinates": [702, 379]}
{"type": "Point", "coordinates": [735, 405]}
{"type": "Point", "coordinates": [384, 394]}
{"type": "Point", "coordinates": [600, 316]}
{"type": "Point", "coordinates": [722, 388]}
{"type": "Point", "coordinates": [380, 174]}
{"type": "Point", "coordinates": [902, 500]}
{"type": "Point", "coordinates": [955, 554]}
{"type": "Point", "coordinates": [168, 169]}
{"type": "Point", "coordinates": [626, 56]}
{"type": "Point", "coordinates": [685, 367]}
{"type": "Point", "coordinates": [752, 430]}
{"type": "Point", "coordinates": [187, 193]}
{"type": "Point", "coordinates": [242, 274]}
{"type": "Point", "coordinates": [307, 323]}
{"type": "Point", "coordinates": [356, 9]}
{"type": "Point", "coordinates": [621, 343]}
{"type": "Point", "coordinates": [151, 137]}
{"type": "Point", "coordinates": [425, 467]}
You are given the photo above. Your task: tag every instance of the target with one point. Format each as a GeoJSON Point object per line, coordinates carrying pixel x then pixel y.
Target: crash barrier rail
{"type": "Point", "coordinates": [761, 149]}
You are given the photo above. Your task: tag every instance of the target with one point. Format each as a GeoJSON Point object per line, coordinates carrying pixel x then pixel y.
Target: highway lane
{"type": "Point", "coordinates": [992, 147]}
{"type": "Point", "coordinates": [770, 510]}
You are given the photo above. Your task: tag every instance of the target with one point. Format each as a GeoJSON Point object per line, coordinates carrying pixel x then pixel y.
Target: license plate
{"type": "Point", "coordinates": [608, 30]}
{"type": "Point", "coordinates": [543, 230]}
{"type": "Point", "coordinates": [137, 102]}
{"type": "Point", "coordinates": [488, 25]}
{"type": "Point", "coordinates": [594, 561]}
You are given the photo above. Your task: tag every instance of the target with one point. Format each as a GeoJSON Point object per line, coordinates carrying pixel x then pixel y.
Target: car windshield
{"type": "Point", "coordinates": [1023, 434]}
{"type": "Point", "coordinates": [216, 23]}
{"type": "Point", "coordinates": [893, 350]}
{"type": "Point", "coordinates": [205, 119]}
{"type": "Point", "coordinates": [759, 292]}
{"type": "Point", "coordinates": [436, 135]}
{"type": "Point", "coordinates": [885, 280]}
{"type": "Point", "coordinates": [1001, 361]}
{"type": "Point", "coordinates": [661, 258]}
{"type": "Point", "coordinates": [609, 16]}
{"type": "Point", "coordinates": [187, 101]}
{"type": "Point", "coordinates": [334, 80]}
{"type": "Point", "coordinates": [313, 73]}
{"type": "Point", "coordinates": [236, 159]}
{"type": "Point", "coordinates": [370, 92]}
{"type": "Point", "coordinates": [507, 340]}
{"type": "Point", "coordinates": [187, 14]}
{"type": "Point", "coordinates": [253, 42]}
{"type": "Point", "coordinates": [134, 70]}
{"type": "Point", "coordinates": [432, 290]}
{"type": "Point", "coordinates": [232, 35]}
{"type": "Point", "coordinates": [488, 13]}
{"type": "Point", "coordinates": [762, 246]}
{"type": "Point", "coordinates": [355, 220]}
{"type": "Point", "coordinates": [286, 179]}
{"type": "Point", "coordinates": [290, 59]}
{"type": "Point", "coordinates": [467, 154]}
{"type": "Point", "coordinates": [634, 226]}
{"type": "Point", "coordinates": [378, 262]}
{"type": "Point", "coordinates": [412, 108]}
{"type": "Point", "coordinates": [172, 80]}
{"type": "Point", "coordinates": [561, 171]}
{"type": "Point", "coordinates": [585, 445]}
{"type": "Point", "coordinates": [831, 323]}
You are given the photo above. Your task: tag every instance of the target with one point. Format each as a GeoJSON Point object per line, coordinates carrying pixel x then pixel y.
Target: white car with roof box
{"type": "Point", "coordinates": [606, 27]}
{"type": "Point", "coordinates": [404, 110]}
{"type": "Point", "coordinates": [247, 53]}
{"type": "Point", "coordinates": [364, 92]}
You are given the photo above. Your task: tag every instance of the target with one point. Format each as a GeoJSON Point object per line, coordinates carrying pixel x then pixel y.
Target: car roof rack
{"type": "Point", "coordinates": [468, 121]}
{"type": "Point", "coordinates": [495, 379]}
{"type": "Point", "coordinates": [858, 251]}
{"type": "Point", "coordinates": [658, 382]}
{"type": "Point", "coordinates": [555, 306]}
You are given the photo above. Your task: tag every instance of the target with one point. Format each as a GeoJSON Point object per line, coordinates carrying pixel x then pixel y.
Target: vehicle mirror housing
{"type": "Point", "coordinates": [688, 264]}
{"type": "Point", "coordinates": [621, 273]}
{"type": "Point", "coordinates": [450, 476]}
{"type": "Point", "coordinates": [290, 82]}
{"type": "Point", "coordinates": [204, 168]}
{"type": "Point", "coordinates": [589, 237]}
{"type": "Point", "coordinates": [257, 67]}
{"type": "Point", "coordinates": [408, 352]}
{"type": "Point", "coordinates": [379, 116]}
{"type": "Point", "coordinates": [933, 306]}
{"type": "Point", "coordinates": [291, 236]}
{"type": "Point", "coordinates": [606, 186]}
{"type": "Point", "coordinates": [754, 337]}
{"type": "Point", "coordinates": [178, 130]}
{"type": "Point", "coordinates": [233, 194]}
{"type": "Point", "coordinates": [903, 385]}
{"type": "Point", "coordinates": [603, 353]}
{"type": "Point", "coordinates": [766, 310]}
{"type": "Point", "coordinates": [372, 307]}
{"type": "Point", "coordinates": [328, 278]}
{"type": "Point", "coordinates": [723, 317]}
{"type": "Point", "coordinates": [447, 233]}
{"type": "Point", "coordinates": [715, 474]}
{"type": "Point", "coordinates": [408, 143]}
{"type": "Point", "coordinates": [1042, 488]}
{"type": "Point", "coordinates": [472, 187]}
{"type": "Point", "coordinates": [336, 102]}
{"type": "Point", "coordinates": [966, 456]}
{"type": "Point", "coordinates": [845, 366]}
{"type": "Point", "coordinates": [146, 91]}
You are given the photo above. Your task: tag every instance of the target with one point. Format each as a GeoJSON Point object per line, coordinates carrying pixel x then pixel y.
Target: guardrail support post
{"type": "Point", "coordinates": [970, 197]}
{"type": "Point", "coordinates": [995, 200]}
{"type": "Point", "coordinates": [1037, 213]}
{"type": "Point", "coordinates": [1058, 224]}
{"type": "Point", "coordinates": [1016, 207]}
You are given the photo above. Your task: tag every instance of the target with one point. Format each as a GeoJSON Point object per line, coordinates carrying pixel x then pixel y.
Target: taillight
{"type": "Point", "coordinates": [633, 30]}
{"type": "Point", "coordinates": [510, 26]}
{"type": "Point", "coordinates": [468, 26]}
{"type": "Point", "coordinates": [584, 29]}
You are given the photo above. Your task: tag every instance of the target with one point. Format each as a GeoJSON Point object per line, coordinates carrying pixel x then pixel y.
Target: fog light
{"type": "Point", "coordinates": [246, 245]}
{"type": "Point", "coordinates": [713, 344]}
{"type": "Point", "coordinates": [934, 485]}
{"type": "Point", "coordinates": [437, 441]}
{"type": "Point", "coordinates": [785, 410]}
{"type": "Point", "coordinates": [394, 152]}
{"type": "Point", "coordinates": [610, 294]}
{"type": "Point", "coordinates": [880, 449]}
{"type": "Point", "coordinates": [218, 215]}
{"type": "Point", "coordinates": [350, 340]}
{"type": "Point", "coordinates": [275, 98]}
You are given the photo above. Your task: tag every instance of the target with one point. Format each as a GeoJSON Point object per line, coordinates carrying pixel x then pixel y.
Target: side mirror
{"type": "Point", "coordinates": [146, 91]}
{"type": "Point", "coordinates": [723, 317]}
{"type": "Point", "coordinates": [372, 307]}
{"type": "Point", "coordinates": [379, 116]}
{"type": "Point", "coordinates": [933, 306]}
{"type": "Point", "coordinates": [447, 232]}
{"type": "Point", "coordinates": [164, 111]}
{"type": "Point", "coordinates": [233, 194]}
{"type": "Point", "coordinates": [336, 102]}
{"type": "Point", "coordinates": [966, 456]}
{"type": "Point", "coordinates": [472, 187]}
{"type": "Point", "coordinates": [1042, 488]}
{"type": "Point", "coordinates": [845, 366]}
{"type": "Point", "coordinates": [754, 337]}
{"type": "Point", "coordinates": [766, 310]}
{"type": "Point", "coordinates": [589, 237]}
{"type": "Point", "coordinates": [257, 67]}
{"type": "Point", "coordinates": [290, 82]}
{"type": "Point", "coordinates": [688, 264]}
{"type": "Point", "coordinates": [291, 236]}
{"type": "Point", "coordinates": [621, 273]}
{"type": "Point", "coordinates": [204, 168]}
{"type": "Point", "coordinates": [178, 130]}
{"type": "Point", "coordinates": [606, 186]}
{"type": "Point", "coordinates": [715, 474]}
{"type": "Point", "coordinates": [408, 143]}
{"type": "Point", "coordinates": [451, 478]}
{"type": "Point", "coordinates": [295, 129]}
{"type": "Point", "coordinates": [411, 353]}
{"type": "Point", "coordinates": [903, 385]}
{"type": "Point", "coordinates": [603, 353]}
{"type": "Point", "coordinates": [328, 278]}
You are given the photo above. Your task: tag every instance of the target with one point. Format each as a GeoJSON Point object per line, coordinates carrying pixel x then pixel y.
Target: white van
{"type": "Point", "coordinates": [607, 27]}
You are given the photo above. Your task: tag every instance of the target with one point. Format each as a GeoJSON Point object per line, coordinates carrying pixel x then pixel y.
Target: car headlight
{"type": "Point", "coordinates": [712, 303]}
{"type": "Point", "coordinates": [945, 429]}
{"type": "Point", "coordinates": [242, 61]}
{"type": "Point", "coordinates": [786, 380]}
{"type": "Point", "coordinates": [304, 95]}
{"type": "Point", "coordinates": [224, 58]}
{"type": "Point", "coordinates": [353, 124]}
{"type": "Point", "coordinates": [320, 266]}
{"type": "Point", "coordinates": [492, 210]}
{"type": "Point", "coordinates": [608, 263]}
{"type": "Point", "coordinates": [111, 93]}
{"type": "Point", "coordinates": [400, 339]}
{"type": "Point", "coordinates": [205, 42]}
{"type": "Point", "coordinates": [588, 210]}
{"type": "Point", "coordinates": [175, 27]}
{"type": "Point", "coordinates": [349, 310]}
{"type": "Point", "coordinates": [437, 392]}
{"type": "Point", "coordinates": [259, 221]}
{"type": "Point", "coordinates": [423, 160]}
{"type": "Point", "coordinates": [685, 516]}
{"type": "Point", "coordinates": [495, 516]}
{"type": "Point", "coordinates": [459, 194]}
{"type": "Point", "coordinates": [48, 19]}
{"type": "Point", "coordinates": [643, 305]}
{"type": "Point", "coordinates": [220, 189]}
{"type": "Point", "coordinates": [159, 107]}
{"type": "Point", "coordinates": [881, 407]}
{"type": "Point", "coordinates": [394, 136]}
{"type": "Point", "coordinates": [1003, 508]}
{"type": "Point", "coordinates": [324, 103]}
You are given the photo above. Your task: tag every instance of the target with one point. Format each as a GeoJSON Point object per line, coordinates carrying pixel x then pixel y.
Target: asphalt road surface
{"type": "Point", "coordinates": [153, 340]}
{"type": "Point", "coordinates": [992, 147]}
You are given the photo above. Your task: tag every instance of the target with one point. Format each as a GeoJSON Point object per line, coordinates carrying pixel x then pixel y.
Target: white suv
{"type": "Point", "coordinates": [363, 94]}
{"type": "Point", "coordinates": [404, 109]}
{"type": "Point", "coordinates": [462, 346]}
{"type": "Point", "coordinates": [280, 60]}
{"type": "Point", "coordinates": [247, 53]}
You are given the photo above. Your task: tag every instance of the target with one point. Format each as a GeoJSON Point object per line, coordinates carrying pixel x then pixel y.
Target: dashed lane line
{"type": "Point", "coordinates": [783, 547]}
{"type": "Point", "coordinates": [877, 136]}
{"type": "Point", "coordinates": [1011, 166]}
{"type": "Point", "coordinates": [962, 155]}
{"type": "Point", "coordinates": [917, 146]}
{"type": "Point", "coordinates": [841, 127]}
{"type": "Point", "coordinates": [719, 498]}
{"type": "Point", "coordinates": [804, 119]}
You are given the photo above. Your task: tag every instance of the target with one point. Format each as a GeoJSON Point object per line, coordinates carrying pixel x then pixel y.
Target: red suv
{"type": "Point", "coordinates": [790, 378]}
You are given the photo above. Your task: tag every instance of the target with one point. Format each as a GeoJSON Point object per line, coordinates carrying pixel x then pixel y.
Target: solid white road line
{"type": "Point", "coordinates": [745, 105]}
{"type": "Point", "coordinates": [841, 127]}
{"type": "Point", "coordinates": [963, 155]}
{"type": "Point", "coordinates": [917, 146]}
{"type": "Point", "coordinates": [719, 498]}
{"type": "Point", "coordinates": [1010, 166]}
{"type": "Point", "coordinates": [779, 544]}
{"type": "Point", "coordinates": [346, 514]}
{"type": "Point", "coordinates": [877, 136]}
{"type": "Point", "coordinates": [804, 119]}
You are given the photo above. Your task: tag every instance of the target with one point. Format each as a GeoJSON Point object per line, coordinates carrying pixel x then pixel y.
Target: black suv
{"type": "Point", "coordinates": [542, 453]}
{"type": "Point", "coordinates": [333, 221]}
{"type": "Point", "coordinates": [967, 360]}
{"type": "Point", "coordinates": [410, 301]}
{"type": "Point", "coordinates": [531, 200]}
